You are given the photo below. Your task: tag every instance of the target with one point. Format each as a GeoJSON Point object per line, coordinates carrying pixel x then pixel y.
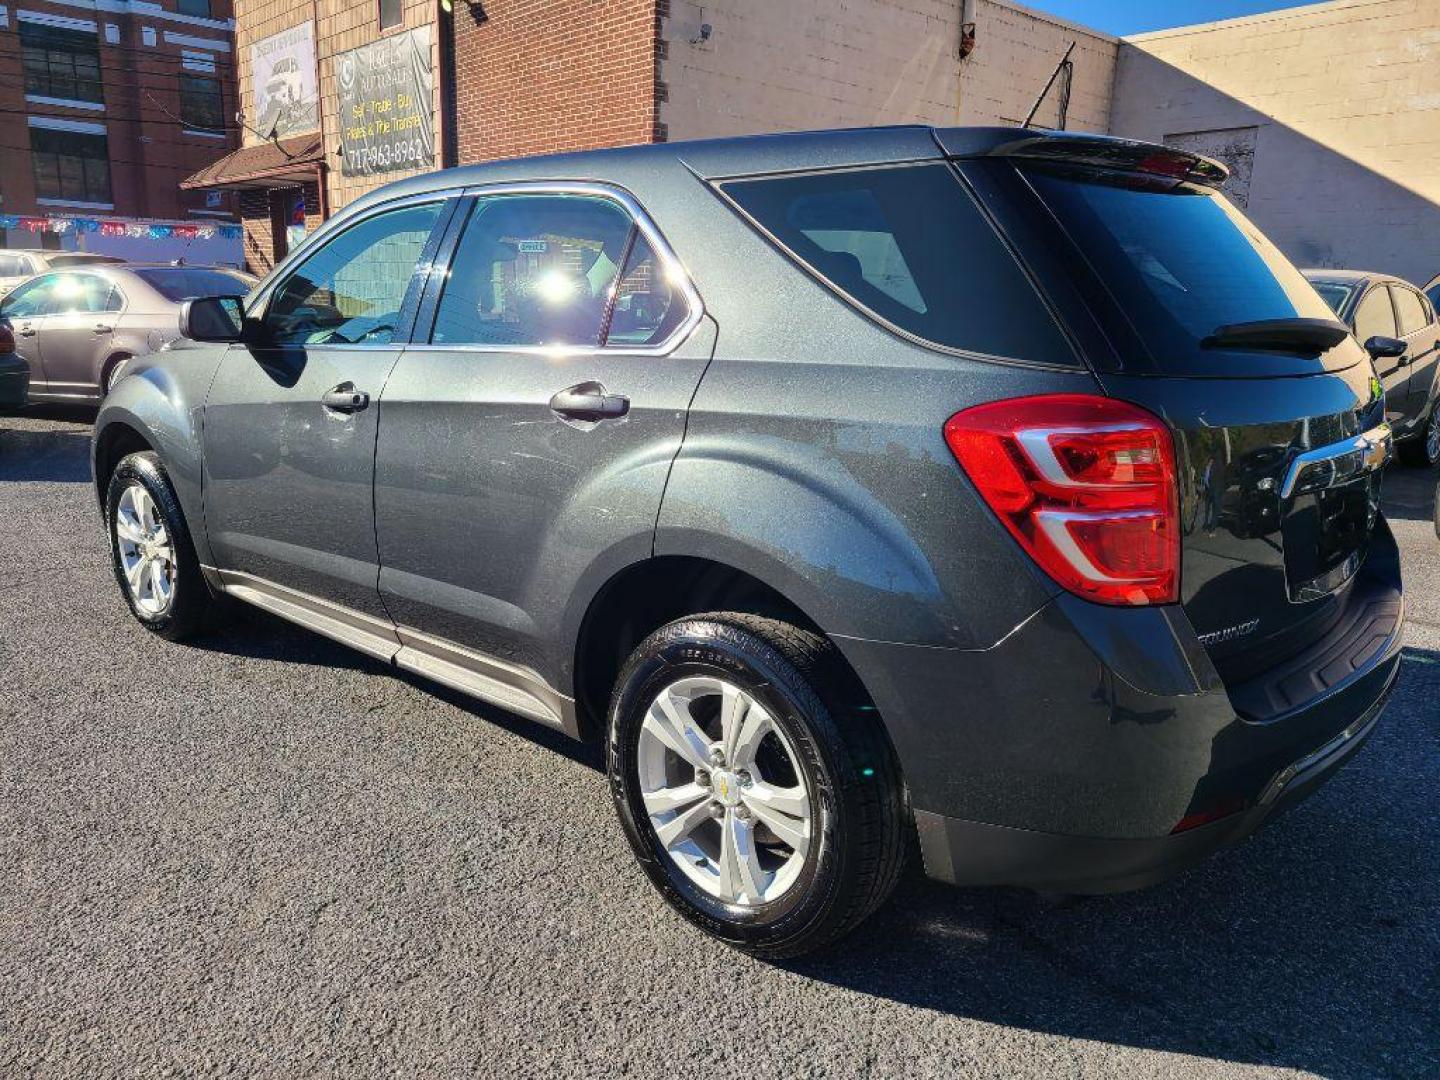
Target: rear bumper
{"type": "Point", "coordinates": [14, 383]}
{"type": "Point", "coordinates": [1066, 756]}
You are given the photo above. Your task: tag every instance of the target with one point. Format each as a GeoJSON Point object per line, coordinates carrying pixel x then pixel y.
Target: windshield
{"type": "Point", "coordinates": [187, 283]}
{"type": "Point", "coordinates": [1180, 262]}
{"type": "Point", "coordinates": [1334, 293]}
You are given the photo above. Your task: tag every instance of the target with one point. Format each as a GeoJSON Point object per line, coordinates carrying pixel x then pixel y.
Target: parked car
{"type": "Point", "coordinates": [848, 485]}
{"type": "Point", "coordinates": [77, 328]}
{"type": "Point", "coordinates": [14, 374]}
{"type": "Point", "coordinates": [18, 265]}
{"type": "Point", "coordinates": [1398, 326]}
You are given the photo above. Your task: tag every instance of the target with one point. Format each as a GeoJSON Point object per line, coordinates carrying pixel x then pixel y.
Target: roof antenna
{"type": "Point", "coordinates": [1069, 69]}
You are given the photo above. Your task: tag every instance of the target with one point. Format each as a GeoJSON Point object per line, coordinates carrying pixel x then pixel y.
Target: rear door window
{"type": "Point", "coordinates": [1375, 316]}
{"type": "Point", "coordinates": [1409, 310]}
{"type": "Point", "coordinates": [909, 247]}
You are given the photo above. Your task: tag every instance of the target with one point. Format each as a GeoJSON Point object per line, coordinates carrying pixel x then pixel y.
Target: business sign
{"type": "Point", "coordinates": [283, 83]}
{"type": "Point", "coordinates": [385, 95]}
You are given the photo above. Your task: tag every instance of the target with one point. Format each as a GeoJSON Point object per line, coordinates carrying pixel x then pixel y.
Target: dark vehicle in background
{"type": "Point", "coordinates": [18, 265]}
{"type": "Point", "coordinates": [1001, 487]}
{"type": "Point", "coordinates": [77, 328]}
{"type": "Point", "coordinates": [1397, 324]}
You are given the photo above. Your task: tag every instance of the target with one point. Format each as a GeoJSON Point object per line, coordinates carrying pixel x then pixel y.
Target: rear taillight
{"type": "Point", "coordinates": [7, 338]}
{"type": "Point", "coordinates": [1085, 484]}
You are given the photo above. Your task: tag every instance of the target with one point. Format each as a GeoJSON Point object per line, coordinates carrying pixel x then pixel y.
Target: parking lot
{"type": "Point", "coordinates": [266, 853]}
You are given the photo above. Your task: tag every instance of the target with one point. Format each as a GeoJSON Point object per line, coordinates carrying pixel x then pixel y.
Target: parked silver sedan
{"type": "Point", "coordinates": [76, 328]}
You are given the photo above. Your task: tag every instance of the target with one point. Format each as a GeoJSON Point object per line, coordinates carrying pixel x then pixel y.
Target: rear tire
{"type": "Point", "coordinates": [151, 550]}
{"type": "Point", "coordinates": [792, 881]}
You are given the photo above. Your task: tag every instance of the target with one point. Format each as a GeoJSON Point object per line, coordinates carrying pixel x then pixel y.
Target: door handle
{"type": "Point", "coordinates": [26, 331]}
{"type": "Point", "coordinates": [345, 399]}
{"type": "Point", "coordinates": [102, 328]}
{"type": "Point", "coordinates": [589, 401]}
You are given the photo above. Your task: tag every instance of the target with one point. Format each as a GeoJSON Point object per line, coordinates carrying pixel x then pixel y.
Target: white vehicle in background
{"type": "Point", "coordinates": [17, 265]}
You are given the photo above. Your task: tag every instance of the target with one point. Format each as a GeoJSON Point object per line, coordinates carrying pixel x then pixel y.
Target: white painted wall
{"type": "Point", "coordinates": [1345, 101]}
{"type": "Point", "coordinates": [769, 65]}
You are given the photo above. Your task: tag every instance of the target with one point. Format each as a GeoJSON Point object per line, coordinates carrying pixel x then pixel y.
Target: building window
{"type": "Point", "coordinates": [61, 63]}
{"type": "Point", "coordinates": [200, 8]}
{"type": "Point", "coordinates": [391, 13]}
{"type": "Point", "coordinates": [70, 166]}
{"type": "Point", "coordinates": [202, 105]}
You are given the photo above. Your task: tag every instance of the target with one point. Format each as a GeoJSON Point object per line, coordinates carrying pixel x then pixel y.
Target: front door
{"type": "Point", "coordinates": [25, 310]}
{"type": "Point", "coordinates": [290, 421]}
{"type": "Point", "coordinates": [76, 337]}
{"type": "Point", "coordinates": [1375, 316]}
{"type": "Point", "coordinates": [524, 450]}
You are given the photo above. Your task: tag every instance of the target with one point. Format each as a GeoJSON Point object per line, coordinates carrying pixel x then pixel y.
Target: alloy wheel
{"type": "Point", "coordinates": [147, 552]}
{"type": "Point", "coordinates": [724, 791]}
{"type": "Point", "coordinates": [1432, 437]}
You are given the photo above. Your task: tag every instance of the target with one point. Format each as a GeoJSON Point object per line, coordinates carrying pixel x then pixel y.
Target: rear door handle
{"type": "Point", "coordinates": [589, 401]}
{"type": "Point", "coordinates": [345, 399]}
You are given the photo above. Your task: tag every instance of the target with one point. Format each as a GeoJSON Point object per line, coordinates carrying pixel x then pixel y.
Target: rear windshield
{"type": "Point", "coordinates": [61, 261]}
{"type": "Point", "coordinates": [1179, 260]}
{"type": "Point", "coordinates": [187, 283]}
{"type": "Point", "coordinates": [910, 248]}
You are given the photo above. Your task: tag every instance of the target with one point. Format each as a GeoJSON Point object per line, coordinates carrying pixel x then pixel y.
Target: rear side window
{"type": "Point", "coordinates": [1410, 309]}
{"type": "Point", "coordinates": [1375, 315]}
{"type": "Point", "coordinates": [909, 246]}
{"type": "Point", "coordinates": [1179, 260]}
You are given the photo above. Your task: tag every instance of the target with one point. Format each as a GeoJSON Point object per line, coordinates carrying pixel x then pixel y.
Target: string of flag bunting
{"type": "Point", "coordinates": [112, 227]}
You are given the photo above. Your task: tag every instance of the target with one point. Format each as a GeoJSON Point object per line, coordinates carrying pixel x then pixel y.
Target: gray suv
{"type": "Point", "coordinates": [1001, 490]}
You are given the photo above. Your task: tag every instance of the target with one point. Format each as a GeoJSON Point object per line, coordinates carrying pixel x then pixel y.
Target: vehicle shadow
{"type": "Point", "coordinates": [55, 457]}
{"type": "Point", "coordinates": [1313, 946]}
{"type": "Point", "coordinates": [1410, 494]}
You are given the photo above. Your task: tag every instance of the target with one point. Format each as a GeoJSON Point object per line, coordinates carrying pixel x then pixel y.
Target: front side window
{"type": "Point", "coordinates": [909, 245]}
{"type": "Point", "coordinates": [202, 105]}
{"type": "Point", "coordinates": [70, 166]}
{"type": "Point", "coordinates": [352, 288]}
{"type": "Point", "coordinates": [61, 63]}
{"type": "Point", "coordinates": [534, 270]}
{"type": "Point", "coordinates": [1410, 309]}
{"type": "Point", "coordinates": [72, 294]}
{"type": "Point", "coordinates": [1375, 316]}
{"type": "Point", "coordinates": [30, 300]}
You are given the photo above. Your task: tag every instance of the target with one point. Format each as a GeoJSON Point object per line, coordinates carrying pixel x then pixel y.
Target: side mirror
{"type": "Point", "coordinates": [1379, 346]}
{"type": "Point", "coordinates": [213, 318]}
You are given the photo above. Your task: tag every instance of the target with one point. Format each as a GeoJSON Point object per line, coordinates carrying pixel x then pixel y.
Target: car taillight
{"type": "Point", "coordinates": [1086, 484]}
{"type": "Point", "coordinates": [7, 338]}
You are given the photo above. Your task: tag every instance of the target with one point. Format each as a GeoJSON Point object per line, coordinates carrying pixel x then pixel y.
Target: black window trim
{"type": "Point", "coordinates": [1395, 287]}
{"type": "Point", "coordinates": [718, 186]}
{"type": "Point", "coordinates": [641, 222]}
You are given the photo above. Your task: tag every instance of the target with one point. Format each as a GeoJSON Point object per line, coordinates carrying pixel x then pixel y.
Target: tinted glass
{"type": "Point", "coordinates": [1433, 292]}
{"type": "Point", "coordinates": [910, 246]}
{"type": "Point", "coordinates": [186, 283]}
{"type": "Point", "coordinates": [1334, 294]}
{"type": "Point", "coordinates": [1374, 315]}
{"type": "Point", "coordinates": [533, 270]}
{"type": "Point", "coordinates": [1179, 260]}
{"type": "Point", "coordinates": [80, 259]}
{"type": "Point", "coordinates": [1411, 310]}
{"type": "Point", "coordinates": [74, 293]}
{"type": "Point", "coordinates": [28, 300]}
{"type": "Point", "coordinates": [647, 307]}
{"type": "Point", "coordinates": [352, 288]}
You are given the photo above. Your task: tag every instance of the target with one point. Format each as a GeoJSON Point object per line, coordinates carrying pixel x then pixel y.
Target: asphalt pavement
{"type": "Point", "coordinates": [267, 855]}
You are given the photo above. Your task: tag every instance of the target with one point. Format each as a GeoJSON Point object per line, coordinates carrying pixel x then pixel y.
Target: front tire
{"type": "Point", "coordinates": [151, 550]}
{"type": "Point", "coordinates": [1424, 449]}
{"type": "Point", "coordinates": [760, 798]}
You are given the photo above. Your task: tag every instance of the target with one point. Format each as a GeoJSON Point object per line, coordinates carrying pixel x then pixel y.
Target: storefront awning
{"type": "Point", "coordinates": [268, 165]}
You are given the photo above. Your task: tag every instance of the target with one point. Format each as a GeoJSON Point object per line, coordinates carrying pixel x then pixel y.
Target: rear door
{"type": "Point", "coordinates": [1278, 427]}
{"type": "Point", "coordinates": [78, 335]}
{"type": "Point", "coordinates": [524, 448]}
{"type": "Point", "coordinates": [1418, 329]}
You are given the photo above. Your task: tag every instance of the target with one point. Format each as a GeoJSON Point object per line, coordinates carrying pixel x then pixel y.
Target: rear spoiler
{"type": "Point", "coordinates": [1097, 151]}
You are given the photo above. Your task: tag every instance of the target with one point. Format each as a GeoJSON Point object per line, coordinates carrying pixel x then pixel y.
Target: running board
{"type": "Point", "coordinates": [507, 686]}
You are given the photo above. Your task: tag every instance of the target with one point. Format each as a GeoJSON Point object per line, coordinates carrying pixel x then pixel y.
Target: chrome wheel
{"type": "Point", "coordinates": [1432, 437]}
{"type": "Point", "coordinates": [724, 791]}
{"type": "Point", "coordinates": [147, 553]}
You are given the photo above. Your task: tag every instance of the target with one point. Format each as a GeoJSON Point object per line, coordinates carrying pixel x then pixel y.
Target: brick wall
{"type": "Point", "coordinates": [767, 66]}
{"type": "Point", "coordinates": [1341, 105]}
{"type": "Point", "coordinates": [540, 76]}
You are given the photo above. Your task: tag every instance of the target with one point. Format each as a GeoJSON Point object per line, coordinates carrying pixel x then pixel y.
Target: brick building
{"type": "Point", "coordinates": [105, 106]}
{"type": "Point", "coordinates": [515, 77]}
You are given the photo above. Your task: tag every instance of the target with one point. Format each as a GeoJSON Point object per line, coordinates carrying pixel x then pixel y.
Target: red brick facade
{"type": "Point", "coordinates": [543, 76]}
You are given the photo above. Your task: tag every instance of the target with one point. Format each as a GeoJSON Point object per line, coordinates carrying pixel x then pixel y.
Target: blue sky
{"type": "Point", "coordinates": [1137, 16]}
